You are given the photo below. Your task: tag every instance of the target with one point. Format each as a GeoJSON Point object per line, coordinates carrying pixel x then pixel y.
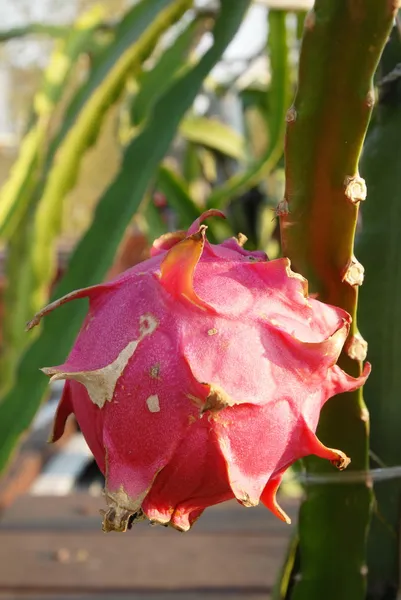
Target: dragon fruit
{"type": "Point", "coordinates": [198, 376]}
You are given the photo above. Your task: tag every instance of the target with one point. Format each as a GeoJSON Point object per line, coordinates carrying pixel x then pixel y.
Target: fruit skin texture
{"type": "Point", "coordinates": [198, 376]}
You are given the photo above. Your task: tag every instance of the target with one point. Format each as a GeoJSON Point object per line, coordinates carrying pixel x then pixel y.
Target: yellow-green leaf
{"type": "Point", "coordinates": [214, 134]}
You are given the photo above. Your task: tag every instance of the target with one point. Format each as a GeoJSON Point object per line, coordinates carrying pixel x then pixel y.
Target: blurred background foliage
{"type": "Point", "coordinates": [121, 121]}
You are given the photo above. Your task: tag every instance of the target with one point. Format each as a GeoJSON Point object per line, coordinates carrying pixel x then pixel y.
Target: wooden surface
{"type": "Point", "coordinates": [53, 548]}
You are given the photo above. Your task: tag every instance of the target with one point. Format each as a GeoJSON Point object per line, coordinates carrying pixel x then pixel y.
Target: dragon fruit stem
{"type": "Point", "coordinates": [326, 127]}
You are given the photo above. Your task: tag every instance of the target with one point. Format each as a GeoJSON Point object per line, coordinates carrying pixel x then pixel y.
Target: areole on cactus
{"type": "Point", "coordinates": [198, 376]}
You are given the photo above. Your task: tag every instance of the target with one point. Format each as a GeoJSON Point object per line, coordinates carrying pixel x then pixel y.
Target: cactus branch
{"type": "Point", "coordinates": [326, 126]}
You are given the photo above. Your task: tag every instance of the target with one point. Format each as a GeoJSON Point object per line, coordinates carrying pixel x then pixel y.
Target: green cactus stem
{"type": "Point", "coordinates": [326, 126]}
{"type": "Point", "coordinates": [379, 317]}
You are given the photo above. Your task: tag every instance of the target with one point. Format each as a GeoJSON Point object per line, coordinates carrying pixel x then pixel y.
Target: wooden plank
{"type": "Point", "coordinates": [232, 553]}
{"type": "Point", "coordinates": [160, 561]}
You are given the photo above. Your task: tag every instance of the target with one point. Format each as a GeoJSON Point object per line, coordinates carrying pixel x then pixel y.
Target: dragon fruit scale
{"type": "Point", "coordinates": [198, 376]}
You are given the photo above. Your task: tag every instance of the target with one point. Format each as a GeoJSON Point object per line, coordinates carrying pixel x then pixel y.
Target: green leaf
{"type": "Point", "coordinates": [136, 37]}
{"type": "Point", "coordinates": [155, 225]}
{"type": "Point", "coordinates": [17, 304]}
{"type": "Point", "coordinates": [95, 252]}
{"type": "Point", "coordinates": [279, 90]}
{"type": "Point", "coordinates": [155, 82]}
{"type": "Point", "coordinates": [191, 165]}
{"type": "Point", "coordinates": [178, 197]}
{"type": "Point", "coordinates": [278, 95]}
{"type": "Point", "coordinates": [254, 97]}
{"type": "Point", "coordinates": [213, 134]}
{"type": "Point", "coordinates": [208, 162]}
{"type": "Point", "coordinates": [18, 191]}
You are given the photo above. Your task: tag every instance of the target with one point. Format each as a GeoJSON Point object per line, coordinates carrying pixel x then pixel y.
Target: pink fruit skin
{"type": "Point", "coordinates": [198, 376]}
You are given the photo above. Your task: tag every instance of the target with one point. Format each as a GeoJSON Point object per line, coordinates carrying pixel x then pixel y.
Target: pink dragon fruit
{"type": "Point", "coordinates": [198, 376]}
